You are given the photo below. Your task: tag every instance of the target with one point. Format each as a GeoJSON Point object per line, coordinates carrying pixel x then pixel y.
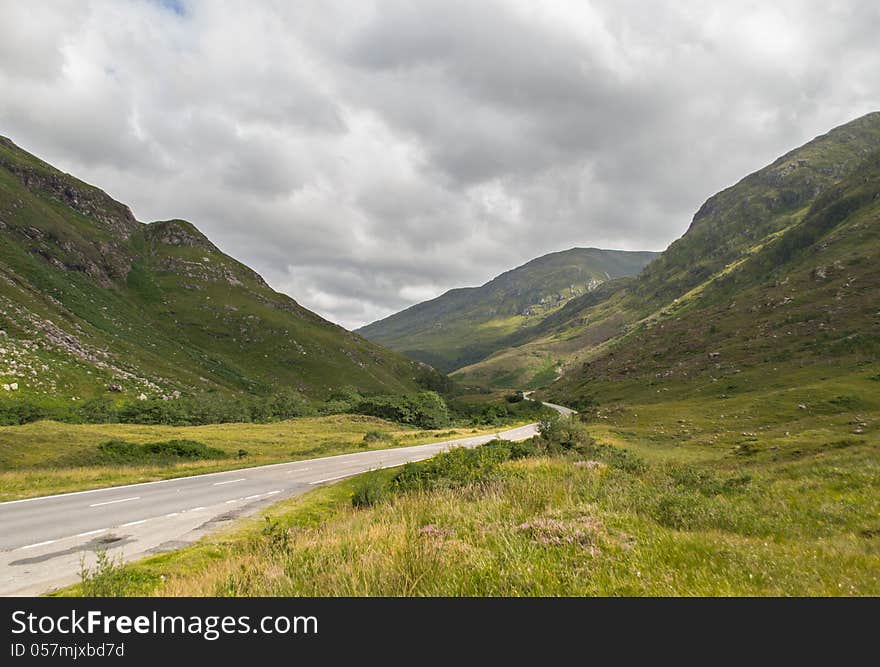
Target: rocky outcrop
{"type": "Point", "coordinates": [113, 216]}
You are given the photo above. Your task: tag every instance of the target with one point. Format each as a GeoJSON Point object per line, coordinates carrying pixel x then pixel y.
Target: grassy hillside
{"type": "Point", "coordinates": [798, 310]}
{"type": "Point", "coordinates": [465, 325]}
{"type": "Point", "coordinates": [93, 302]}
{"type": "Point", "coordinates": [728, 248]}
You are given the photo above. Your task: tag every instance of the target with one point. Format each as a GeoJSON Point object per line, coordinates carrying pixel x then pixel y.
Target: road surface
{"type": "Point", "coordinates": [43, 541]}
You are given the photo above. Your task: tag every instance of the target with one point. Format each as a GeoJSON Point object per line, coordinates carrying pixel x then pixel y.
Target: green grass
{"type": "Point", "coordinates": [551, 527]}
{"type": "Point", "coordinates": [685, 511]}
{"type": "Point", "coordinates": [50, 457]}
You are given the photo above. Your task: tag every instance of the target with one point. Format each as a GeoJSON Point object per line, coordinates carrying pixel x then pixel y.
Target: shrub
{"type": "Point", "coordinates": [426, 409]}
{"type": "Point", "coordinates": [213, 408]}
{"type": "Point", "coordinates": [100, 410]}
{"type": "Point", "coordinates": [523, 449]}
{"type": "Point", "coordinates": [457, 467]}
{"type": "Point", "coordinates": [14, 411]}
{"type": "Point", "coordinates": [564, 433]}
{"type": "Point", "coordinates": [499, 413]}
{"type": "Point", "coordinates": [376, 436]}
{"type": "Point", "coordinates": [110, 579]}
{"type": "Point", "coordinates": [369, 491]}
{"type": "Point", "coordinates": [277, 535]}
{"type": "Point", "coordinates": [119, 451]}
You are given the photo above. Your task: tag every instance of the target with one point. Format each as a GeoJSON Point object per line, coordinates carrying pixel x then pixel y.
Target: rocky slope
{"type": "Point", "coordinates": [94, 302]}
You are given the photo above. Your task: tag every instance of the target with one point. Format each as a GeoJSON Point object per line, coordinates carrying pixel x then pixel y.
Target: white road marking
{"type": "Point", "coordinates": [196, 509]}
{"type": "Point", "coordinates": [113, 502]}
{"type": "Point", "coordinates": [90, 532]}
{"type": "Point", "coordinates": [337, 457]}
{"type": "Point", "coordinates": [330, 479]}
{"type": "Point", "coordinates": [39, 544]}
{"type": "Point", "coordinates": [231, 481]}
{"type": "Point", "coordinates": [289, 472]}
{"type": "Point", "coordinates": [272, 493]}
{"type": "Point", "coordinates": [229, 502]}
{"type": "Point", "coordinates": [252, 497]}
{"type": "Point", "coordinates": [133, 523]}
{"type": "Point", "coordinates": [172, 514]}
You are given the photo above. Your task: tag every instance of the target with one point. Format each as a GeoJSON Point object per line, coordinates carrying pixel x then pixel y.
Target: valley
{"type": "Point", "coordinates": [725, 441]}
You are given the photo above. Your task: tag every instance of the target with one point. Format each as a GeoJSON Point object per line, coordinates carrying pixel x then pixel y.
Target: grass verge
{"type": "Point", "coordinates": [50, 457]}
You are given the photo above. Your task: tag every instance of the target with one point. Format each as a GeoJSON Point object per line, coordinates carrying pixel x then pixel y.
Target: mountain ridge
{"type": "Point", "coordinates": [91, 298]}
{"type": "Point", "coordinates": [727, 229]}
{"type": "Point", "coordinates": [487, 314]}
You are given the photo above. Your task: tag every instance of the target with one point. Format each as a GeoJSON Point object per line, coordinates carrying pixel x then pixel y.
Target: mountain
{"type": "Point", "coordinates": [468, 324]}
{"type": "Point", "coordinates": [779, 270]}
{"type": "Point", "coordinates": [93, 301]}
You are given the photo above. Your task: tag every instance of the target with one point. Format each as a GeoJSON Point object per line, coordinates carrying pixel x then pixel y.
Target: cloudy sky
{"type": "Point", "coordinates": [366, 156]}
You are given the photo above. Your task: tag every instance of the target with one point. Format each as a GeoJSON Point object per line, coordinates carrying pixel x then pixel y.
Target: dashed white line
{"type": "Point", "coordinates": [133, 523]}
{"type": "Point", "coordinates": [231, 481]}
{"type": "Point", "coordinates": [90, 532]}
{"type": "Point", "coordinates": [298, 470]}
{"type": "Point", "coordinates": [252, 497]}
{"type": "Point", "coordinates": [235, 500]}
{"type": "Point", "coordinates": [172, 514]}
{"type": "Point", "coordinates": [39, 544]}
{"type": "Point", "coordinates": [196, 509]}
{"type": "Point", "coordinates": [113, 502]}
{"type": "Point", "coordinates": [330, 479]}
{"type": "Point", "coordinates": [272, 493]}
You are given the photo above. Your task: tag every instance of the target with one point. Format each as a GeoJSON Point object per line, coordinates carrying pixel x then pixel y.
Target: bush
{"type": "Point", "coordinates": [457, 467]}
{"type": "Point", "coordinates": [217, 409]}
{"type": "Point", "coordinates": [101, 410]}
{"type": "Point", "coordinates": [336, 407]}
{"type": "Point", "coordinates": [569, 434]}
{"type": "Point", "coordinates": [109, 578]}
{"type": "Point", "coordinates": [426, 409]}
{"type": "Point", "coordinates": [454, 468]}
{"type": "Point", "coordinates": [369, 491]}
{"type": "Point", "coordinates": [14, 411]}
{"type": "Point", "coordinates": [502, 412]}
{"type": "Point", "coordinates": [564, 433]}
{"type": "Point", "coordinates": [119, 451]}
{"type": "Point", "coordinates": [523, 449]}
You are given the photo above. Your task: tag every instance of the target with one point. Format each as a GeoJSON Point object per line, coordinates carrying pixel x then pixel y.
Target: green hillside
{"type": "Point", "coordinates": [93, 302]}
{"type": "Point", "coordinates": [465, 325]}
{"type": "Point", "coordinates": [796, 322]}
{"type": "Point", "coordinates": [728, 234]}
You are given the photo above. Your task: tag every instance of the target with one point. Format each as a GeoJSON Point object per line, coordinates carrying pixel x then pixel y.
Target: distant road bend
{"type": "Point", "coordinates": [42, 540]}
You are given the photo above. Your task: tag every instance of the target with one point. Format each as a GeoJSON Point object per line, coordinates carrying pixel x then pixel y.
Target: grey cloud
{"type": "Point", "coordinates": [363, 156]}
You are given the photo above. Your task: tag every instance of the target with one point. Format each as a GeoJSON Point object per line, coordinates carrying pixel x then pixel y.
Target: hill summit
{"type": "Point", "coordinates": [92, 302]}
{"type": "Point", "coordinates": [467, 324]}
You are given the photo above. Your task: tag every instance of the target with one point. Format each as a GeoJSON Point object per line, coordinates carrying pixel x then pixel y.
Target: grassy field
{"type": "Point", "coordinates": [701, 505]}
{"type": "Point", "coordinates": [49, 457]}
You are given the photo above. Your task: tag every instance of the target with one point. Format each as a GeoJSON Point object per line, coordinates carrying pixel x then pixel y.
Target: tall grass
{"type": "Point", "coordinates": [559, 523]}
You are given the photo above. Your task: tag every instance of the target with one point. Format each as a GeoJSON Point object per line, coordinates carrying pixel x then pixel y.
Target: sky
{"type": "Point", "coordinates": [365, 156]}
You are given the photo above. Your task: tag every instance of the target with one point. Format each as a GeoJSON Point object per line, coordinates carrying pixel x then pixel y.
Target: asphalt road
{"type": "Point", "coordinates": [44, 541]}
